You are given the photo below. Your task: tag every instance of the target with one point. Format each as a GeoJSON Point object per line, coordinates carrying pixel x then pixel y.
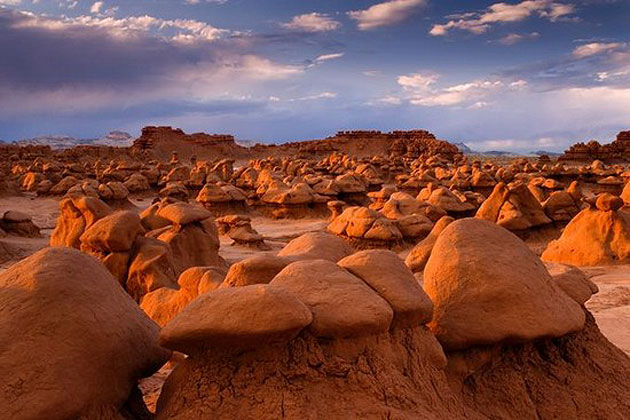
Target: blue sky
{"type": "Point", "coordinates": [514, 75]}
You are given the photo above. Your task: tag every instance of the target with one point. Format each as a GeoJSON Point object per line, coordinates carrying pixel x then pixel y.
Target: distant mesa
{"type": "Point", "coordinates": [618, 150]}
{"type": "Point", "coordinates": [161, 142]}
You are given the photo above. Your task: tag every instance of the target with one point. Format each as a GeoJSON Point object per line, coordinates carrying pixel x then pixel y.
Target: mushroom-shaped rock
{"type": "Point", "coordinates": [20, 224]}
{"type": "Point", "coordinates": [152, 267]}
{"type": "Point", "coordinates": [112, 233]}
{"type": "Point", "coordinates": [487, 287]}
{"type": "Point", "coordinates": [182, 213]}
{"type": "Point", "coordinates": [365, 227]}
{"type": "Point", "coordinates": [259, 269]}
{"type": "Point", "coordinates": [75, 216]}
{"type": "Point", "coordinates": [342, 304]}
{"type": "Point", "coordinates": [137, 183]}
{"type": "Point", "coordinates": [175, 190]}
{"type": "Point", "coordinates": [149, 216]}
{"type": "Point", "coordinates": [593, 237]}
{"type": "Point", "coordinates": [72, 343]}
{"type": "Point", "coordinates": [386, 273]}
{"type": "Point", "coordinates": [607, 202]}
{"type": "Point", "coordinates": [513, 207]}
{"type": "Point", "coordinates": [414, 226]}
{"type": "Point", "coordinates": [561, 206]}
{"type": "Point", "coordinates": [448, 201]}
{"type": "Point", "coordinates": [164, 303]}
{"type": "Point", "coordinates": [193, 244]}
{"type": "Point", "coordinates": [572, 281]}
{"type": "Point", "coordinates": [198, 280]}
{"type": "Point", "coordinates": [239, 318]}
{"type": "Point", "coordinates": [400, 204]}
{"type": "Point", "coordinates": [316, 245]}
{"type": "Point", "coordinates": [419, 254]}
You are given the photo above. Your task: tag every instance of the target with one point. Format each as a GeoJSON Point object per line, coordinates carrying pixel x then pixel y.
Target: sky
{"type": "Point", "coordinates": [514, 75]}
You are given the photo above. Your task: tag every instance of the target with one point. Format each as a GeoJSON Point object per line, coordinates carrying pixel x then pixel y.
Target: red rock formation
{"type": "Point", "coordinates": [619, 149]}
{"type": "Point", "coordinates": [162, 141]}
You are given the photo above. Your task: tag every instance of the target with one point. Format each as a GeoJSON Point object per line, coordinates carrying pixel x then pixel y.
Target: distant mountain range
{"type": "Point", "coordinates": [464, 149]}
{"type": "Point", "coordinates": [114, 138]}
{"type": "Point", "coordinates": [545, 152]}
{"type": "Point", "coordinates": [502, 153]}
{"type": "Point", "coordinates": [495, 153]}
{"type": "Point", "coordinates": [123, 139]}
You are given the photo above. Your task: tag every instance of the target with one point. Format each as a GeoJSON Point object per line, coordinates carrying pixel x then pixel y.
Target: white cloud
{"type": "Point", "coordinates": [185, 30]}
{"type": "Point", "coordinates": [312, 22]}
{"type": "Point", "coordinates": [384, 14]}
{"type": "Point", "coordinates": [605, 75]}
{"type": "Point", "coordinates": [595, 48]}
{"type": "Point", "coordinates": [422, 90]}
{"type": "Point", "coordinates": [458, 94]}
{"type": "Point", "coordinates": [323, 95]}
{"type": "Point", "coordinates": [417, 82]}
{"type": "Point", "coordinates": [518, 84]}
{"type": "Point", "coordinates": [96, 7]}
{"type": "Point", "coordinates": [327, 57]}
{"type": "Point", "coordinates": [389, 100]}
{"type": "Point", "coordinates": [511, 39]}
{"type": "Point", "coordinates": [317, 96]}
{"type": "Point", "coordinates": [478, 23]}
{"type": "Point", "coordinates": [207, 1]}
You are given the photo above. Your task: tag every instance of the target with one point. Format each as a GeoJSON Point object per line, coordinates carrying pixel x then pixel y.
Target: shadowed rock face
{"type": "Point", "coordinates": [402, 374]}
{"type": "Point", "coordinates": [72, 342]}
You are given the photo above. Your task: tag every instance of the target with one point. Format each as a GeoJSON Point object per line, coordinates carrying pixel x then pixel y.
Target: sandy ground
{"type": "Point", "coordinates": [611, 306]}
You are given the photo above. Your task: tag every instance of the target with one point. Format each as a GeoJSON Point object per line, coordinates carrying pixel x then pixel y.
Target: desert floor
{"type": "Point", "coordinates": [611, 306]}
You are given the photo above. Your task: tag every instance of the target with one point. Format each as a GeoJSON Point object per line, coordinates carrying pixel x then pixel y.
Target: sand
{"type": "Point", "coordinates": [611, 306]}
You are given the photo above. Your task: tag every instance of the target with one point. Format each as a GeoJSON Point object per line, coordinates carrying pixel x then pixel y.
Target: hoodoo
{"type": "Point", "coordinates": [335, 278]}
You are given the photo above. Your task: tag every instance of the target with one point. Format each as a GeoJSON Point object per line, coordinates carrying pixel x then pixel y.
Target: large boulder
{"type": "Point", "coordinates": [594, 237]}
{"type": "Point", "coordinates": [365, 228]}
{"type": "Point", "coordinates": [419, 254]}
{"type": "Point", "coordinates": [113, 233]}
{"type": "Point", "coordinates": [75, 216]}
{"type": "Point", "coordinates": [572, 281]}
{"type": "Point", "coordinates": [316, 245]}
{"type": "Point", "coordinates": [341, 303]}
{"type": "Point", "coordinates": [72, 342]}
{"type": "Point", "coordinates": [236, 319]}
{"type": "Point", "coordinates": [193, 244]}
{"type": "Point", "coordinates": [488, 287]}
{"type": "Point", "coordinates": [386, 273]}
{"type": "Point", "coordinates": [513, 207]}
{"type": "Point", "coordinates": [151, 267]}
{"type": "Point", "coordinates": [259, 269]}
{"type": "Point", "coordinates": [164, 303]}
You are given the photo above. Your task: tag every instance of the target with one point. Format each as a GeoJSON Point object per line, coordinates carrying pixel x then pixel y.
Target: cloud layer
{"type": "Point", "coordinates": [479, 23]}
{"type": "Point", "coordinates": [384, 14]}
